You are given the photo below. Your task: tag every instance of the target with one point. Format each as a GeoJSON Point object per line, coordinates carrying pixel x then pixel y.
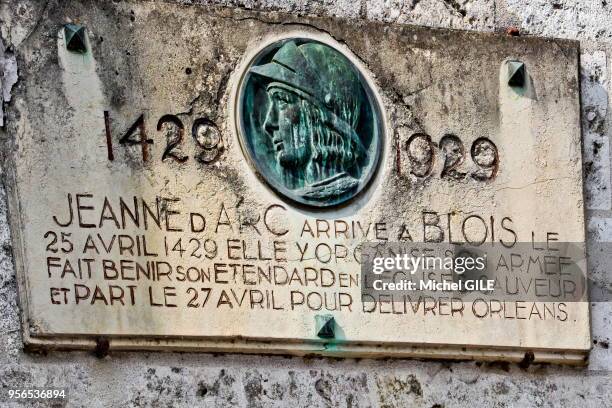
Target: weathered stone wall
{"type": "Point", "coordinates": [174, 379]}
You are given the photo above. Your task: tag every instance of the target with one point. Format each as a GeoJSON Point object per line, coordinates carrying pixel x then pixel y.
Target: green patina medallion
{"type": "Point", "coordinates": [310, 122]}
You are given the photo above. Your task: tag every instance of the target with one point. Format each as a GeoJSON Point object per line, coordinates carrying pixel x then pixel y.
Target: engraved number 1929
{"type": "Point", "coordinates": [422, 152]}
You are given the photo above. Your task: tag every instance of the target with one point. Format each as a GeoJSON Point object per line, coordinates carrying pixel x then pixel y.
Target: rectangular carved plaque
{"type": "Point", "coordinates": [205, 180]}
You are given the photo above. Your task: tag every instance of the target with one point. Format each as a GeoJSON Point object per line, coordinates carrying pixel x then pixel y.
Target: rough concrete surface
{"type": "Point", "coordinates": [180, 379]}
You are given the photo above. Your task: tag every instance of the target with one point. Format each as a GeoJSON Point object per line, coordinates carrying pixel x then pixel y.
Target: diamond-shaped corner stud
{"type": "Point", "coordinates": [75, 38]}
{"type": "Point", "coordinates": [516, 74]}
{"type": "Point", "coordinates": [326, 326]}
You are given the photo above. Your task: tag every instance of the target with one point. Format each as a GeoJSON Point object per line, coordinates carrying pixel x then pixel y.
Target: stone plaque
{"type": "Point", "coordinates": [213, 190]}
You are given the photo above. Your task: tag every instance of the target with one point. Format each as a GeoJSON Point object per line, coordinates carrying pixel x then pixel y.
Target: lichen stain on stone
{"type": "Point", "coordinates": [394, 390]}
{"type": "Point", "coordinates": [323, 388]}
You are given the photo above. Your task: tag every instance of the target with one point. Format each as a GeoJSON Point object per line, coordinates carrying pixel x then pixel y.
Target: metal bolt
{"type": "Point", "coordinates": [75, 38]}
{"type": "Point", "coordinates": [527, 360]}
{"type": "Point", "coordinates": [326, 326]}
{"type": "Point", "coordinates": [102, 347]}
{"type": "Point", "coordinates": [513, 31]}
{"type": "Point", "coordinates": [516, 74]}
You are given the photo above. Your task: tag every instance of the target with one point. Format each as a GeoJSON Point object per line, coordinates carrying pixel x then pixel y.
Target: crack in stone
{"type": "Point", "coordinates": [9, 77]}
{"type": "Point", "coordinates": [37, 24]}
{"type": "Point", "coordinates": [533, 183]}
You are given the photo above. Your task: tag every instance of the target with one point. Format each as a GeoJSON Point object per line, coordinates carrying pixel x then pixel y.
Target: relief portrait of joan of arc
{"type": "Point", "coordinates": [311, 123]}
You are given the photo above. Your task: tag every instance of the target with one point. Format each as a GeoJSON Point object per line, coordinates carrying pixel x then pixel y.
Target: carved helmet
{"type": "Point", "coordinates": [326, 78]}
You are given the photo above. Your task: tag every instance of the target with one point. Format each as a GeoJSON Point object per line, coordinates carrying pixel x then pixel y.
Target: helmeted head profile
{"type": "Point", "coordinates": [314, 106]}
{"type": "Point", "coordinates": [309, 120]}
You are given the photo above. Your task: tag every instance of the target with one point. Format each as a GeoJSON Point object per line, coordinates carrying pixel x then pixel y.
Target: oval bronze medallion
{"type": "Point", "coordinates": [309, 122]}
